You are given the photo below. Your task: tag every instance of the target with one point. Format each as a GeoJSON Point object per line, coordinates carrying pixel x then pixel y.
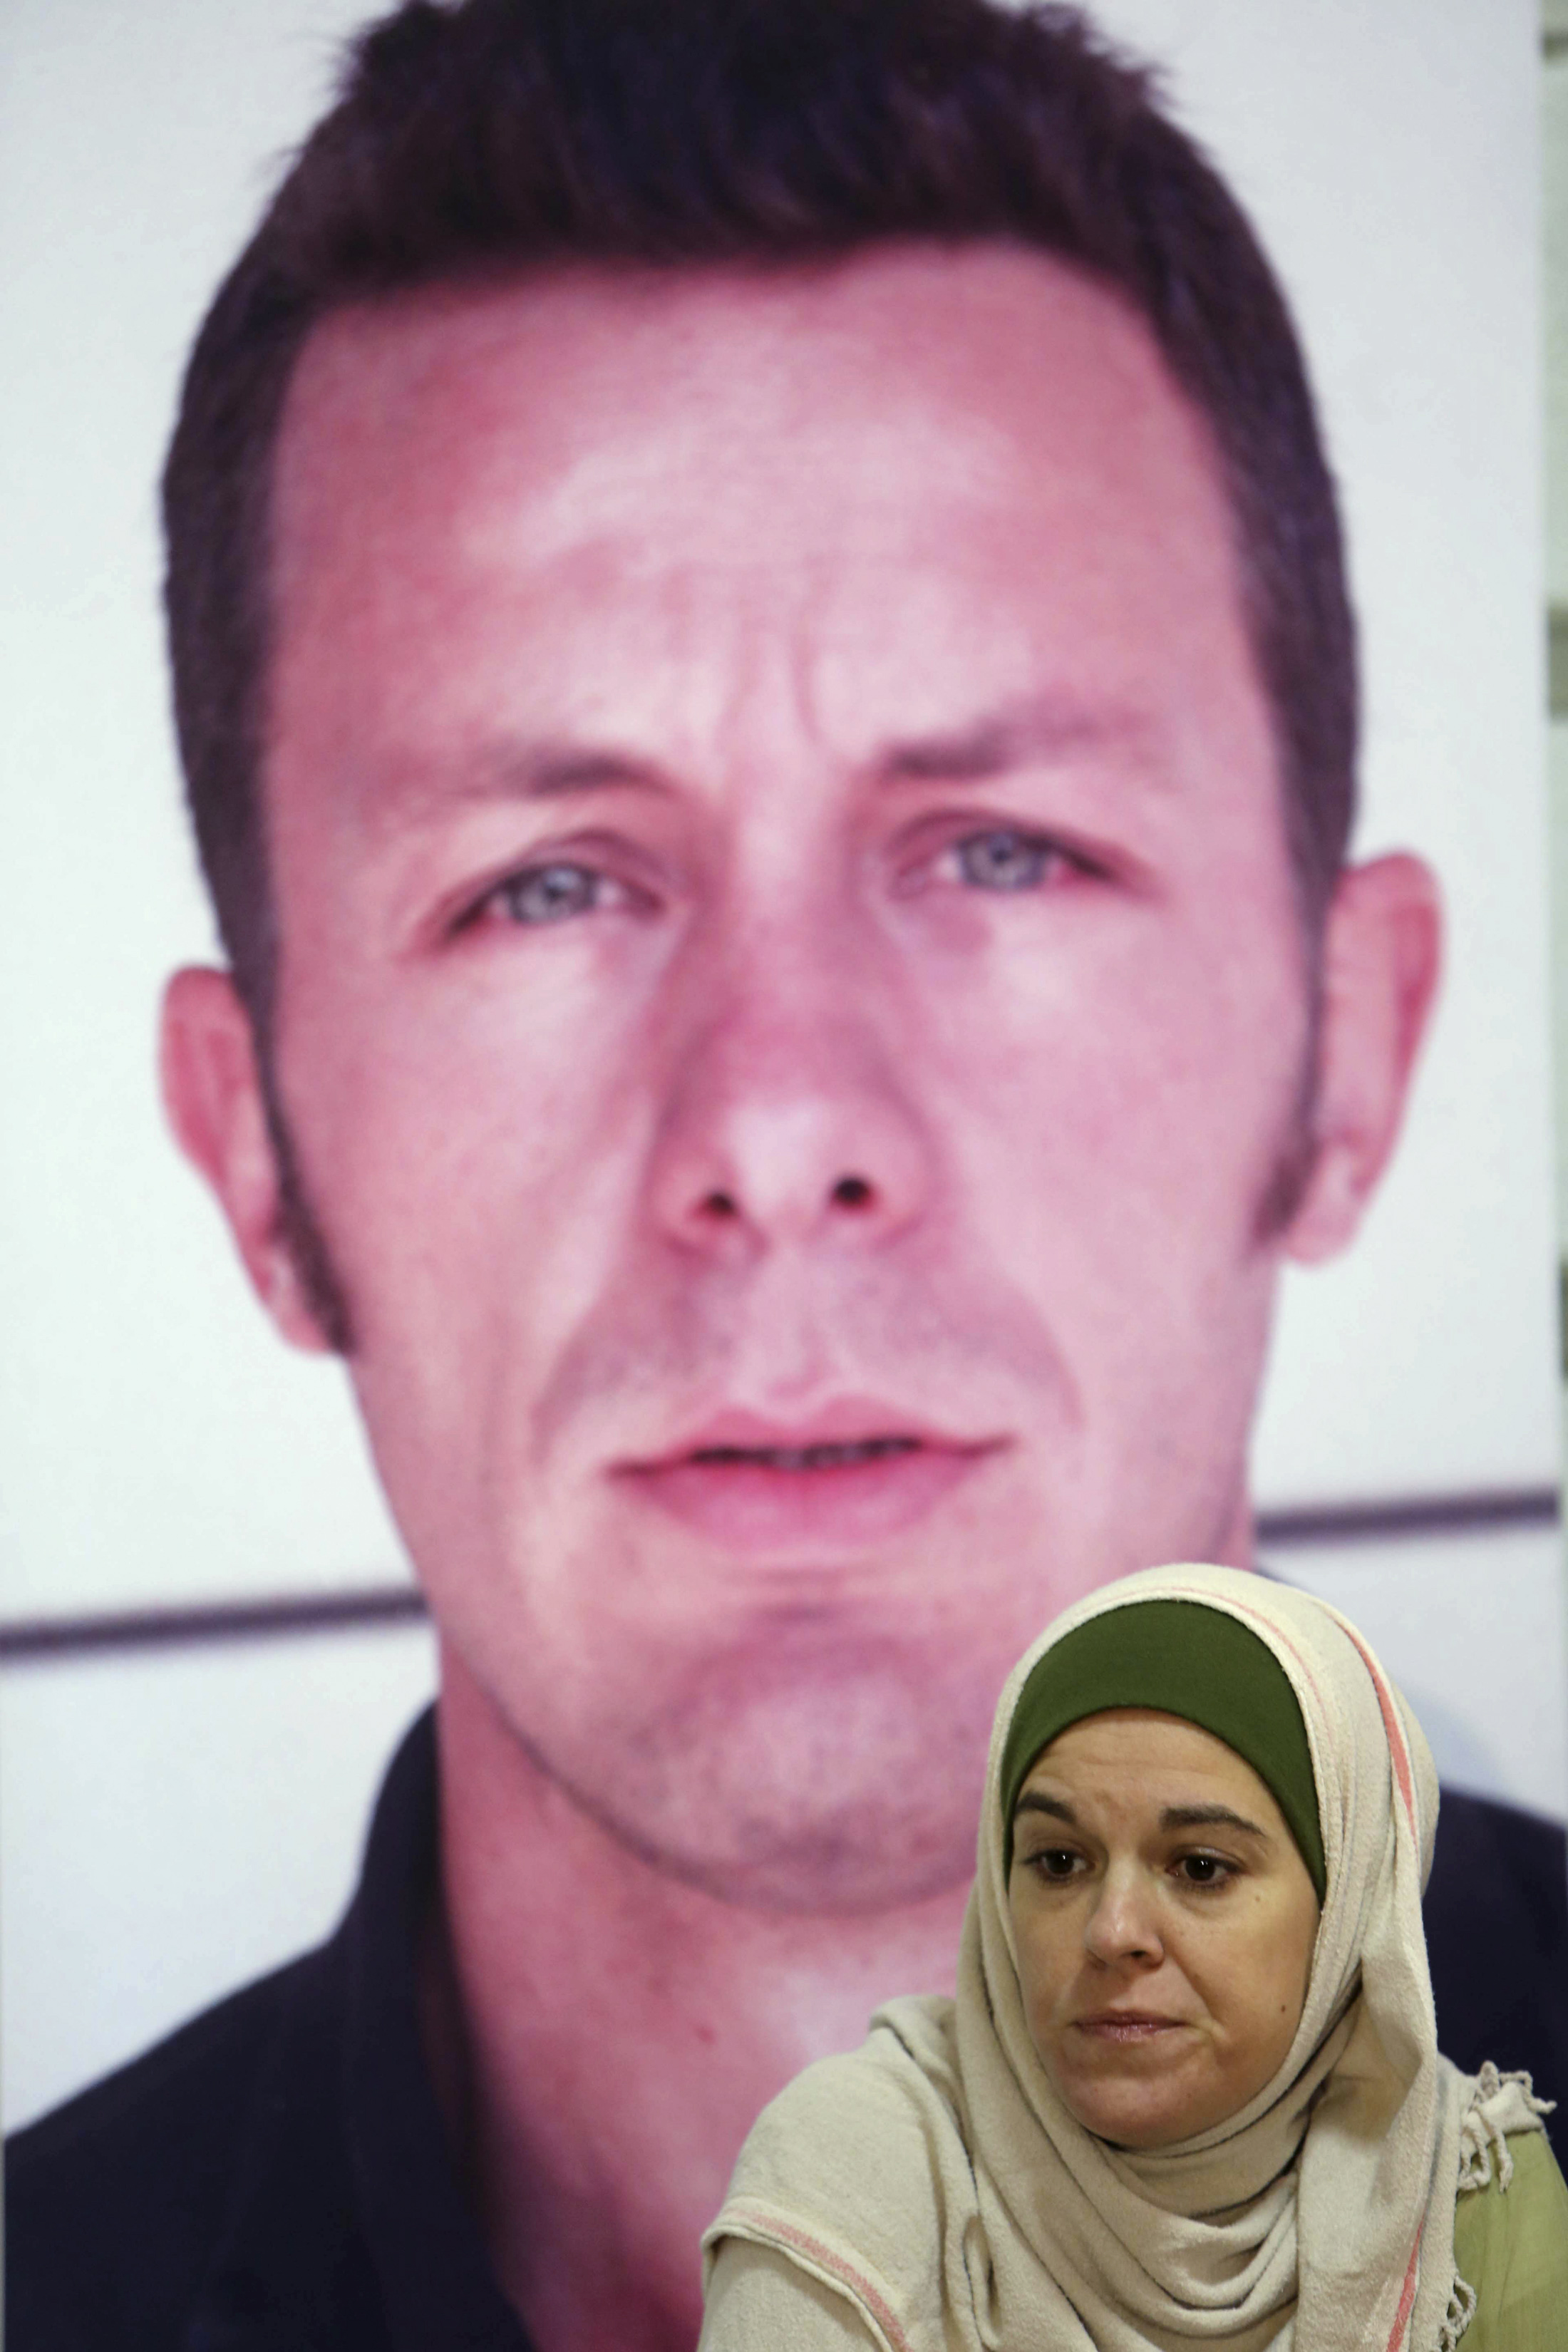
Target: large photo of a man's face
{"type": "Point", "coordinates": [833, 891]}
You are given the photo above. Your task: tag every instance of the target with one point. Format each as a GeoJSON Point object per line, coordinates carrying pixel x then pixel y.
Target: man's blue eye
{"type": "Point", "coordinates": [1005, 860]}
{"type": "Point", "coordinates": [548, 894]}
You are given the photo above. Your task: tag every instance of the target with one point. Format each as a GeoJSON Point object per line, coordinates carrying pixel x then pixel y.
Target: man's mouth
{"type": "Point", "coordinates": [832, 1455]}
{"type": "Point", "coordinates": [751, 1487]}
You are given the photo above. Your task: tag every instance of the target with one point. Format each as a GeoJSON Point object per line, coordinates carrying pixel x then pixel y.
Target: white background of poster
{"type": "Point", "coordinates": [174, 1818]}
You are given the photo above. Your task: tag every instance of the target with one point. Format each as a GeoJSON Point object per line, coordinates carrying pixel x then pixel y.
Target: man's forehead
{"type": "Point", "coordinates": [895, 409]}
{"type": "Point", "coordinates": [974, 330]}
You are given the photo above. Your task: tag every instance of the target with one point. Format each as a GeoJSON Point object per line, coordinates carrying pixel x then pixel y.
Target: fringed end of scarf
{"type": "Point", "coordinates": [1457, 2318]}
{"type": "Point", "coordinates": [1499, 2104]}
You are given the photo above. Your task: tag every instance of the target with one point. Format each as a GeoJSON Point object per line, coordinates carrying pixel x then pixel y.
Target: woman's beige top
{"type": "Point", "coordinates": [1512, 2248]}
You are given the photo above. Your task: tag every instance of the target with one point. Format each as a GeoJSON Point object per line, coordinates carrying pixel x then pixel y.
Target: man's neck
{"type": "Point", "coordinates": [602, 2036]}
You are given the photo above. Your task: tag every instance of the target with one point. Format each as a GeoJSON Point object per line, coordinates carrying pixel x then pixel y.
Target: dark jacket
{"type": "Point", "coordinates": [276, 2175]}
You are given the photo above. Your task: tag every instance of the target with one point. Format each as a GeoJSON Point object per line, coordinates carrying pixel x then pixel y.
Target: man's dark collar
{"type": "Point", "coordinates": [349, 2223]}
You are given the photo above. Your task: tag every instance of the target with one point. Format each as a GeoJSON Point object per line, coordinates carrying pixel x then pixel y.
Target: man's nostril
{"type": "Point", "coordinates": [720, 1204]}
{"type": "Point", "coordinates": [851, 1192]}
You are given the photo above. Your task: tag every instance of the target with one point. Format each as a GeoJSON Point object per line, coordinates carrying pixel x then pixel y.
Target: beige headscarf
{"type": "Point", "coordinates": [935, 2178]}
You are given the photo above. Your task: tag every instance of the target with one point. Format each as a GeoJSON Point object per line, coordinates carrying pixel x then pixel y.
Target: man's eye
{"type": "Point", "coordinates": [1005, 859]}
{"type": "Point", "coordinates": [546, 894]}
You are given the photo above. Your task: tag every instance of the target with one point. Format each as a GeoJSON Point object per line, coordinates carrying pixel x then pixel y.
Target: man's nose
{"type": "Point", "coordinates": [1124, 1924]}
{"type": "Point", "coordinates": [788, 1120]}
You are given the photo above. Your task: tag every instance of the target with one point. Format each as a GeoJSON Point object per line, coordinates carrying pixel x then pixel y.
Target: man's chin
{"type": "Point", "coordinates": [801, 1870]}
{"type": "Point", "coordinates": [853, 1790]}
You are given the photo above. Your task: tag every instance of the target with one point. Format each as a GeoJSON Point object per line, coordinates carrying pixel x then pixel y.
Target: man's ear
{"type": "Point", "coordinates": [212, 1092]}
{"type": "Point", "coordinates": [1381, 948]}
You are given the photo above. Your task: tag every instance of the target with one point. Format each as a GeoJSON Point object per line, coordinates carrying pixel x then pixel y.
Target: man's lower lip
{"type": "Point", "coordinates": [836, 1494]}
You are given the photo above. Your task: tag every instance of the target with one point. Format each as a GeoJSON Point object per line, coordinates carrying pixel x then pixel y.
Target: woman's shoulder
{"type": "Point", "coordinates": [855, 2174]}
{"type": "Point", "coordinates": [877, 2114]}
{"type": "Point", "coordinates": [1510, 2246]}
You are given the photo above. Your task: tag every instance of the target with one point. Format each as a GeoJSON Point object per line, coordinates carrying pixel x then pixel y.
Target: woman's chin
{"type": "Point", "coordinates": [1140, 2113]}
{"type": "Point", "coordinates": [1124, 2124]}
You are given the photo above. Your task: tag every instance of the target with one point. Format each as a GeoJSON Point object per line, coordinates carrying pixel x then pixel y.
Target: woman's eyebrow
{"type": "Point", "coordinates": [1197, 1817]}
{"type": "Point", "coordinates": [1032, 1801]}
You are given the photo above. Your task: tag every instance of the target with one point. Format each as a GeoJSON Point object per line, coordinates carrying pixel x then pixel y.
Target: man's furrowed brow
{"type": "Point", "coordinates": [1044, 731]}
{"type": "Point", "coordinates": [1202, 1817]}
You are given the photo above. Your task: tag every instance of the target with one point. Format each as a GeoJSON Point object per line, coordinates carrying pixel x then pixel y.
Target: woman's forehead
{"type": "Point", "coordinates": [1143, 1746]}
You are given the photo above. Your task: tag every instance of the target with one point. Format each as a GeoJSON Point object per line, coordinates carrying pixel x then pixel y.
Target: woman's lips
{"type": "Point", "coordinates": [751, 1491]}
{"type": "Point", "coordinates": [1128, 2028]}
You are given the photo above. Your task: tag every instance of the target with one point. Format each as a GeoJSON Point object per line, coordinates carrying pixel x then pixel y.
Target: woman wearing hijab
{"type": "Point", "coordinates": [1189, 2092]}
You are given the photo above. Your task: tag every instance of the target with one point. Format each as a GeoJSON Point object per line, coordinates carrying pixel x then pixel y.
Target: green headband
{"type": "Point", "coordinates": [1183, 1658]}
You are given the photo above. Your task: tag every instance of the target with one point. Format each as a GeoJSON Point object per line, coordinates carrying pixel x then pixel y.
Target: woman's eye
{"type": "Point", "coordinates": [547, 894]}
{"type": "Point", "coordinates": [1204, 1870]}
{"type": "Point", "coordinates": [1005, 859]}
{"type": "Point", "coordinates": [1056, 1863]}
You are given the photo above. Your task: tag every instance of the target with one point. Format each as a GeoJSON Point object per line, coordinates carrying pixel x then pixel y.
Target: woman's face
{"type": "Point", "coordinates": [1165, 1922]}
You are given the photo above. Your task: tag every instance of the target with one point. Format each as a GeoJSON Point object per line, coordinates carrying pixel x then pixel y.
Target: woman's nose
{"type": "Point", "coordinates": [1124, 1923]}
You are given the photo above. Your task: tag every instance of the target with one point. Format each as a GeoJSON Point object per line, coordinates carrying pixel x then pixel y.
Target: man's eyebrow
{"type": "Point", "coordinates": [1051, 727]}
{"type": "Point", "coordinates": [503, 772]}
{"type": "Point", "coordinates": [546, 770]}
{"type": "Point", "coordinates": [1200, 1817]}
